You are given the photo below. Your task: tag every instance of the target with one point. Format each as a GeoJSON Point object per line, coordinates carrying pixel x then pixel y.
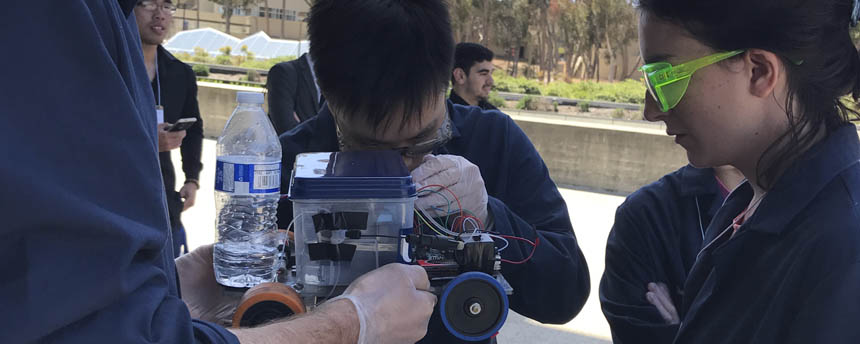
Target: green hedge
{"type": "Point", "coordinates": [627, 91]}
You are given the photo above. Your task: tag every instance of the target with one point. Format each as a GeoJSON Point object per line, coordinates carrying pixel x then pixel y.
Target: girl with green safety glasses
{"type": "Point", "coordinates": [763, 86]}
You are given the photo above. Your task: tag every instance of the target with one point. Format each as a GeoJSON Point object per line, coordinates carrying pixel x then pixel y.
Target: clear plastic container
{"type": "Point", "coordinates": [350, 209]}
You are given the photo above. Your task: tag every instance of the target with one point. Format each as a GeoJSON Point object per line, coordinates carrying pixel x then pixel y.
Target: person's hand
{"type": "Point", "coordinates": [168, 141]}
{"type": "Point", "coordinates": [206, 299]}
{"type": "Point", "coordinates": [189, 193]}
{"type": "Point", "coordinates": [460, 176]}
{"type": "Point", "coordinates": [659, 296]}
{"type": "Point", "coordinates": [392, 304]}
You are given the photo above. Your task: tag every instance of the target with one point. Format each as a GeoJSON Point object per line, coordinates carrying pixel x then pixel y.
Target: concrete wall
{"type": "Point", "coordinates": [217, 102]}
{"type": "Point", "coordinates": [607, 155]}
{"type": "Point", "coordinates": [617, 157]}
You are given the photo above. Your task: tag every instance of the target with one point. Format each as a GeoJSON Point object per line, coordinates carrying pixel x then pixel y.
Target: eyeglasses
{"type": "Point", "coordinates": [152, 6]}
{"type": "Point", "coordinates": [668, 84]}
{"type": "Point", "coordinates": [443, 135]}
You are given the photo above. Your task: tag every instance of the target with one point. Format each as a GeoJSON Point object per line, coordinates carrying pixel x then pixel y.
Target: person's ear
{"type": "Point", "coordinates": [765, 70]}
{"type": "Point", "coordinates": [459, 76]}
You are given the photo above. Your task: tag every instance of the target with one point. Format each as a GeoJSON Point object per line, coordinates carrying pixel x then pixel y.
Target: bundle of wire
{"type": "Point", "coordinates": [461, 218]}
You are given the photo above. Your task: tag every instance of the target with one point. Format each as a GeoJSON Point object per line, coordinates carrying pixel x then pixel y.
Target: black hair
{"type": "Point", "coordinates": [467, 55]}
{"type": "Point", "coordinates": [812, 39]}
{"type": "Point", "coordinates": [380, 58]}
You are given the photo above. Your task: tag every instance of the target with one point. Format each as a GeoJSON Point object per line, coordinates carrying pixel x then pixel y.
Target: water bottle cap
{"type": "Point", "coordinates": [249, 97]}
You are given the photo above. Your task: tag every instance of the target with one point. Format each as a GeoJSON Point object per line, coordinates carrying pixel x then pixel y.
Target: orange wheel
{"type": "Point", "coordinates": [267, 302]}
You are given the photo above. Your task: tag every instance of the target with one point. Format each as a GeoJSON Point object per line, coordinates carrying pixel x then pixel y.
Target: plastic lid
{"type": "Point", "coordinates": [351, 175]}
{"type": "Point", "coordinates": [249, 97]}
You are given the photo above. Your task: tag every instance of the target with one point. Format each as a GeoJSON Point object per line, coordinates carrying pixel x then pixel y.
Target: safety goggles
{"type": "Point", "coordinates": [443, 135]}
{"type": "Point", "coordinates": [667, 83]}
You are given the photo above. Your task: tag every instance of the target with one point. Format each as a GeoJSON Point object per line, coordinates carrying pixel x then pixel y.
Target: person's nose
{"type": "Point", "coordinates": [651, 110]}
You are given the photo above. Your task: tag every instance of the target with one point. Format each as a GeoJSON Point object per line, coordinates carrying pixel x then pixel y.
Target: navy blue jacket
{"type": "Point", "coordinates": [791, 273]}
{"type": "Point", "coordinates": [657, 233]}
{"type": "Point", "coordinates": [85, 247]}
{"type": "Point", "coordinates": [553, 286]}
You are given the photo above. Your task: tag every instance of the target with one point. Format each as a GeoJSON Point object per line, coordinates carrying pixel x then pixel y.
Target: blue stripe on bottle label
{"type": "Point", "coordinates": [245, 179]}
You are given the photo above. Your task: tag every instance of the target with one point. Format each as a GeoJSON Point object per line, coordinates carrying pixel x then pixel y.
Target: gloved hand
{"type": "Point", "coordinates": [206, 299]}
{"type": "Point", "coordinates": [460, 176]}
{"type": "Point", "coordinates": [392, 304]}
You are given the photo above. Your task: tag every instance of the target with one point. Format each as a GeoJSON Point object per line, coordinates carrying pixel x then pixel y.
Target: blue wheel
{"type": "Point", "coordinates": [473, 306]}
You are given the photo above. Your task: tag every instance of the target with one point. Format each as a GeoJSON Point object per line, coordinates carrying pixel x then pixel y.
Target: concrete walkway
{"type": "Point", "coordinates": [592, 215]}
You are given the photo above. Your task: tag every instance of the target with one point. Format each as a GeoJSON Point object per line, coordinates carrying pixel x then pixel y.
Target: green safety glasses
{"type": "Point", "coordinates": [667, 83]}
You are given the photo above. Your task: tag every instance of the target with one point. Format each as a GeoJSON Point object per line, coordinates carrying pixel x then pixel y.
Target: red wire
{"type": "Point", "coordinates": [534, 244]}
{"type": "Point", "coordinates": [442, 187]}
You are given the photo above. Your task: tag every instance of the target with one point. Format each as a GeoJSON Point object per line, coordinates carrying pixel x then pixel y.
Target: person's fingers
{"type": "Point", "coordinates": [162, 126]}
{"type": "Point", "coordinates": [652, 298]}
{"type": "Point", "coordinates": [431, 166]}
{"type": "Point", "coordinates": [417, 275]}
{"type": "Point", "coordinates": [448, 177]}
{"type": "Point", "coordinates": [666, 298]}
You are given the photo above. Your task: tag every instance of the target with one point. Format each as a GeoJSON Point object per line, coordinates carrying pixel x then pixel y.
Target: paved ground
{"type": "Point", "coordinates": [592, 215]}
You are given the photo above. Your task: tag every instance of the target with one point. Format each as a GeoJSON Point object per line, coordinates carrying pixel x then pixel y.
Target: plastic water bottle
{"type": "Point", "coordinates": [247, 189]}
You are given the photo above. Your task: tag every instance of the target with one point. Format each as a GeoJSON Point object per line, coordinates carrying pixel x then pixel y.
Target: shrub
{"type": "Point", "coordinates": [527, 103]}
{"type": "Point", "coordinates": [496, 100]}
{"type": "Point", "coordinates": [200, 70]}
{"type": "Point", "coordinates": [584, 106]}
{"type": "Point", "coordinates": [252, 76]}
{"type": "Point", "coordinates": [224, 60]}
{"type": "Point", "coordinates": [183, 56]}
{"type": "Point", "coordinates": [618, 113]}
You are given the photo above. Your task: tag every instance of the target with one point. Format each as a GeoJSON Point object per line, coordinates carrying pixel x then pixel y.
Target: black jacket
{"type": "Point", "coordinates": [657, 233]}
{"type": "Point", "coordinates": [483, 104]}
{"type": "Point", "coordinates": [292, 89]}
{"type": "Point", "coordinates": [791, 273]}
{"type": "Point", "coordinates": [179, 98]}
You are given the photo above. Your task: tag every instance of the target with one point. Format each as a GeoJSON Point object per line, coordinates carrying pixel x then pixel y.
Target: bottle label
{"type": "Point", "coordinates": [245, 179]}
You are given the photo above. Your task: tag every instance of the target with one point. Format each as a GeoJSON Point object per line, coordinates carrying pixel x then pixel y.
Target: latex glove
{"type": "Point", "coordinates": [206, 299]}
{"type": "Point", "coordinates": [168, 141]}
{"type": "Point", "coordinates": [457, 174]}
{"type": "Point", "coordinates": [392, 304]}
{"type": "Point", "coordinates": [659, 296]}
{"type": "Point", "coordinates": [189, 193]}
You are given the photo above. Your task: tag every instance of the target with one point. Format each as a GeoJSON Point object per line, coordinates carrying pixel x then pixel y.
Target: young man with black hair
{"type": "Point", "coordinates": [390, 94]}
{"type": "Point", "coordinates": [174, 87]}
{"type": "Point", "coordinates": [472, 77]}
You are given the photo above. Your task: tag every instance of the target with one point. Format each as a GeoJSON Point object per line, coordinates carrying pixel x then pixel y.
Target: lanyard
{"type": "Point", "coordinates": [157, 80]}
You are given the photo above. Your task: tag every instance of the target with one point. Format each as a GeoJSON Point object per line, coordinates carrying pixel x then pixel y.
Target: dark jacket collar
{"type": "Point", "coordinates": [803, 181]}
{"type": "Point", "coordinates": [698, 181]}
{"type": "Point", "coordinates": [456, 99]}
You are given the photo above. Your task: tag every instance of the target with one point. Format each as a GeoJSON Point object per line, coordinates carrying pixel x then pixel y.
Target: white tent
{"type": "Point", "coordinates": [211, 40]}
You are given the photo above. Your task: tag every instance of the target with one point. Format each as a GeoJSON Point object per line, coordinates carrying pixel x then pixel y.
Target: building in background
{"type": "Point", "coordinates": [279, 19]}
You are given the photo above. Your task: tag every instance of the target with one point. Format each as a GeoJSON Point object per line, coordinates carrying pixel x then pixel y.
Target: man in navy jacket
{"type": "Point", "coordinates": [391, 95]}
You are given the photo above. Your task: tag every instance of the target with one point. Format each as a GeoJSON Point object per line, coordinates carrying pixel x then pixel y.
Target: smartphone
{"type": "Point", "coordinates": [182, 124]}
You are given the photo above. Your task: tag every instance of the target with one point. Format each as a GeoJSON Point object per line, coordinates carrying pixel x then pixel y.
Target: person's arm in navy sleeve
{"type": "Point", "coordinates": [192, 144]}
{"type": "Point", "coordinates": [553, 285]}
{"type": "Point", "coordinates": [84, 247]}
{"type": "Point", "coordinates": [629, 269]}
{"type": "Point", "coordinates": [282, 83]}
